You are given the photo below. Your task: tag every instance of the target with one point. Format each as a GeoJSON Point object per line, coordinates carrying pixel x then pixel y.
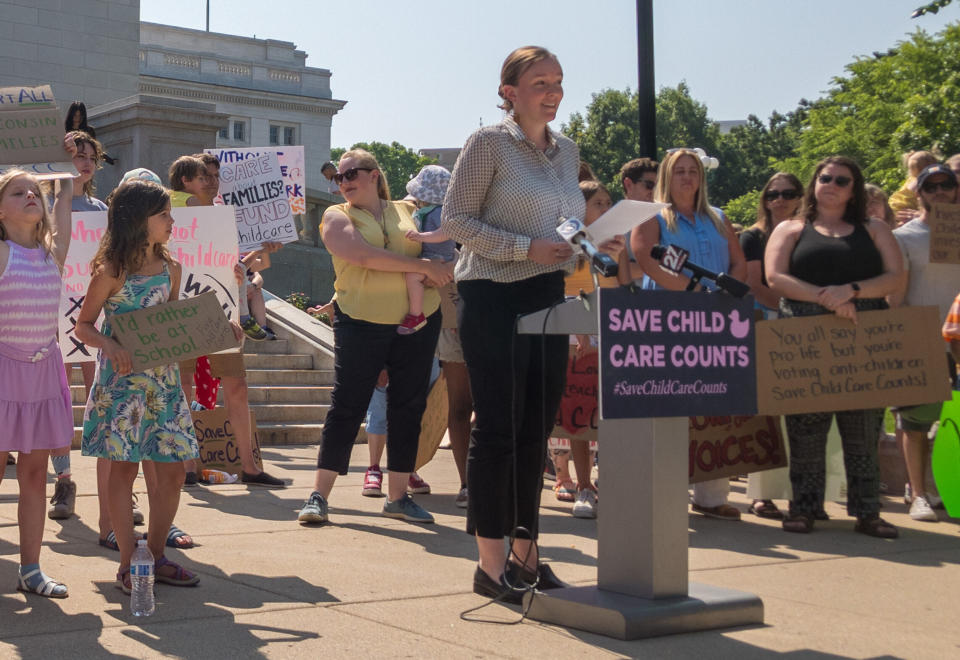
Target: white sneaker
{"type": "Point", "coordinates": [461, 500]}
{"type": "Point", "coordinates": [920, 510]}
{"type": "Point", "coordinates": [586, 504]}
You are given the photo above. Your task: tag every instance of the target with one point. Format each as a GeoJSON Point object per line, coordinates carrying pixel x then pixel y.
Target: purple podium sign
{"type": "Point", "coordinates": [676, 354]}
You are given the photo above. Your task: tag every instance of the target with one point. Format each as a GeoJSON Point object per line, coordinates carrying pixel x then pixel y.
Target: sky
{"type": "Point", "coordinates": [425, 72]}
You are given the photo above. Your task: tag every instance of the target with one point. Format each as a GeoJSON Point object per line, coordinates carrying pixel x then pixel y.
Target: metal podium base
{"type": "Point", "coordinates": [628, 617]}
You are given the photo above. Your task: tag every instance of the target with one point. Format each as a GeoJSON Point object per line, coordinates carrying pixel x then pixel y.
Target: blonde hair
{"type": "Point", "coordinates": [662, 192]}
{"type": "Point", "coordinates": [516, 65]}
{"type": "Point", "coordinates": [44, 233]}
{"type": "Point", "coordinates": [919, 159]}
{"type": "Point", "coordinates": [366, 159]}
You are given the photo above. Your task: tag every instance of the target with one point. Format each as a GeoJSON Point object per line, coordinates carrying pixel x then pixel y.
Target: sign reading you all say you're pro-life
{"type": "Point", "coordinates": [255, 188]}
{"type": "Point", "coordinates": [675, 354]}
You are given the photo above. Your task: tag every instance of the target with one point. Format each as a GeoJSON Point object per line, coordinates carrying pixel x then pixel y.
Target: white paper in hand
{"type": "Point", "coordinates": [624, 216]}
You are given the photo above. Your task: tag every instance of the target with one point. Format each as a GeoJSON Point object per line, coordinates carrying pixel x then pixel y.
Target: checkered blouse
{"type": "Point", "coordinates": [505, 192]}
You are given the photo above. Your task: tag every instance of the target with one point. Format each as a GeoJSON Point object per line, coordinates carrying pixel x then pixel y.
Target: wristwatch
{"type": "Point", "coordinates": [856, 289]}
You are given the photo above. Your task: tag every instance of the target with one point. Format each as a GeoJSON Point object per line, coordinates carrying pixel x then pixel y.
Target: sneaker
{"type": "Point", "coordinates": [417, 486]}
{"type": "Point", "coordinates": [373, 482]}
{"type": "Point", "coordinates": [253, 330]}
{"type": "Point", "coordinates": [586, 504]}
{"type": "Point", "coordinates": [461, 500]}
{"type": "Point", "coordinates": [314, 509]}
{"type": "Point", "coordinates": [197, 406]}
{"type": "Point", "coordinates": [411, 324]}
{"type": "Point", "coordinates": [63, 500]}
{"type": "Point", "coordinates": [261, 479]}
{"type": "Point", "coordinates": [406, 509]}
{"type": "Point", "coordinates": [921, 510]}
{"type": "Point", "coordinates": [271, 335]}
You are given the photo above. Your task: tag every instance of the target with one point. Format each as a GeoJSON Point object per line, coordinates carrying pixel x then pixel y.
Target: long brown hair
{"type": "Point", "coordinates": [856, 210]}
{"type": "Point", "coordinates": [124, 245]}
{"type": "Point", "coordinates": [44, 233]}
{"type": "Point", "coordinates": [764, 220]}
{"type": "Point", "coordinates": [81, 138]}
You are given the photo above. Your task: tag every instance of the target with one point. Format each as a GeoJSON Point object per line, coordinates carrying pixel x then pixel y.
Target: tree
{"type": "Point", "coordinates": [398, 163]}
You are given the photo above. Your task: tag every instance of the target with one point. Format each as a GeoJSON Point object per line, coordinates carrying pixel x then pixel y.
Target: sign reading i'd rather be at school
{"type": "Point", "coordinates": [676, 354]}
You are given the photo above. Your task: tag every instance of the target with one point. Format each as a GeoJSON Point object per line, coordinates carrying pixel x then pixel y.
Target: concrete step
{"type": "Point", "coordinates": [263, 394]}
{"type": "Point", "coordinates": [289, 377]}
{"type": "Point", "coordinates": [277, 361]}
{"type": "Point", "coordinates": [286, 413]}
{"type": "Point", "coordinates": [272, 347]}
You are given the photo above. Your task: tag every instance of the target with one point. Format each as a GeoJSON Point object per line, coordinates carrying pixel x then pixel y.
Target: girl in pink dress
{"type": "Point", "coordinates": [34, 396]}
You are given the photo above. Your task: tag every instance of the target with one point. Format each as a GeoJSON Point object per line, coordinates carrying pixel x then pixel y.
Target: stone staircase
{"type": "Point", "coordinates": [290, 382]}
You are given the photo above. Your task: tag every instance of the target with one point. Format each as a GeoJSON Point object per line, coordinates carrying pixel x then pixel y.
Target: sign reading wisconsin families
{"type": "Point", "coordinates": [255, 188]}
{"type": "Point", "coordinates": [674, 353]}
{"type": "Point", "coordinates": [31, 134]}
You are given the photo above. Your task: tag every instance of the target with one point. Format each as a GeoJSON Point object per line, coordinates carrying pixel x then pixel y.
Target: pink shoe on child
{"type": "Point", "coordinates": [411, 324]}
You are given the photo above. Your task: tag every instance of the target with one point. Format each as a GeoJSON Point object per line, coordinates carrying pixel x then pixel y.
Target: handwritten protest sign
{"type": "Point", "coordinates": [292, 169]}
{"type": "Point", "coordinates": [204, 241]}
{"type": "Point", "coordinates": [254, 187]}
{"type": "Point", "coordinates": [675, 354]}
{"type": "Point", "coordinates": [944, 221]}
{"type": "Point", "coordinates": [31, 135]}
{"type": "Point", "coordinates": [218, 445]}
{"type": "Point", "coordinates": [725, 446]}
{"type": "Point", "coordinates": [579, 413]}
{"type": "Point", "coordinates": [173, 331]}
{"type": "Point", "coordinates": [433, 424]}
{"type": "Point", "coordinates": [825, 363]}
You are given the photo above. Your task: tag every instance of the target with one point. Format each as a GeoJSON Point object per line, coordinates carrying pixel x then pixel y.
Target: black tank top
{"type": "Point", "coordinates": [827, 260]}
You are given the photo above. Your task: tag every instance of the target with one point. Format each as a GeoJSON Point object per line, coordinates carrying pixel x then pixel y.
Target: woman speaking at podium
{"type": "Point", "coordinates": [512, 184]}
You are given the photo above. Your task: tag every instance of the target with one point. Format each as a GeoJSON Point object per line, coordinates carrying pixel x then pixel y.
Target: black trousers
{"type": "Point", "coordinates": [516, 382]}
{"type": "Point", "coordinates": [361, 351]}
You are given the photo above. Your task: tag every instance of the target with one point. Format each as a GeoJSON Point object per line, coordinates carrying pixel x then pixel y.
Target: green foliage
{"type": "Point", "coordinates": [907, 98]}
{"type": "Point", "coordinates": [743, 209]}
{"type": "Point", "coordinates": [398, 163]}
{"type": "Point", "coordinates": [298, 299]}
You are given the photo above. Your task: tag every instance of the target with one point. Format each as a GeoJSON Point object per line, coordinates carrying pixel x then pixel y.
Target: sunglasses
{"type": "Point", "coordinates": [771, 195]}
{"type": "Point", "coordinates": [841, 181]}
{"type": "Point", "coordinates": [650, 185]}
{"type": "Point", "coordinates": [350, 174]}
{"type": "Point", "coordinates": [932, 186]}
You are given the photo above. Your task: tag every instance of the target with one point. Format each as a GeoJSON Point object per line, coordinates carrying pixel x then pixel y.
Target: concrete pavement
{"type": "Point", "coordinates": [367, 586]}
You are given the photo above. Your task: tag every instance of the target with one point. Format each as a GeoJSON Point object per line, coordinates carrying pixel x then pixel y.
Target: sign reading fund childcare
{"type": "Point", "coordinates": [944, 223]}
{"type": "Point", "coordinates": [675, 354]}
{"type": "Point", "coordinates": [255, 188]}
{"type": "Point", "coordinates": [31, 134]}
{"type": "Point", "coordinates": [892, 357]}
{"type": "Point", "coordinates": [291, 161]}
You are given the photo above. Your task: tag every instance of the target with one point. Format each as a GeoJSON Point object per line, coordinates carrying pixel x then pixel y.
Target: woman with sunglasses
{"type": "Point", "coordinates": [366, 238]}
{"type": "Point", "coordinates": [833, 259]}
{"type": "Point", "coordinates": [513, 184]}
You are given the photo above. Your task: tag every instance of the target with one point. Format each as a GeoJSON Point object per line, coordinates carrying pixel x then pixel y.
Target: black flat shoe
{"type": "Point", "coordinates": [545, 578]}
{"type": "Point", "coordinates": [484, 585]}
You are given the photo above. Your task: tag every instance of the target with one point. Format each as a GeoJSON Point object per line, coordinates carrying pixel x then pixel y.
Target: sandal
{"type": "Point", "coordinates": [47, 587]}
{"type": "Point", "coordinates": [799, 523]}
{"type": "Point", "coordinates": [877, 527]}
{"type": "Point", "coordinates": [765, 509]}
{"type": "Point", "coordinates": [177, 539]}
{"type": "Point", "coordinates": [111, 541]}
{"type": "Point", "coordinates": [565, 491]}
{"type": "Point", "coordinates": [720, 512]}
{"type": "Point", "coordinates": [124, 583]}
{"type": "Point", "coordinates": [180, 577]}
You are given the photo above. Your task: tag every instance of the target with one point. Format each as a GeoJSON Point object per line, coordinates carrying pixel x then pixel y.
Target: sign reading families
{"type": "Point", "coordinates": [255, 188]}
{"type": "Point", "coordinates": [944, 221]}
{"type": "Point", "coordinates": [173, 331]}
{"type": "Point", "coordinates": [204, 241]}
{"type": "Point", "coordinates": [731, 445]}
{"type": "Point", "coordinates": [675, 354]}
{"type": "Point", "coordinates": [31, 135]}
{"type": "Point", "coordinates": [291, 161]}
{"type": "Point", "coordinates": [823, 363]}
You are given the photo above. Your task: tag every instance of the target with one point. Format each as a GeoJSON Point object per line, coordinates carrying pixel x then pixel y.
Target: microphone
{"type": "Point", "coordinates": [674, 258]}
{"type": "Point", "coordinates": [574, 232]}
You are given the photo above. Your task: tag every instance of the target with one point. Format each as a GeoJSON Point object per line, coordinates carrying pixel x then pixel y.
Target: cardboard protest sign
{"type": "Point", "coordinates": [292, 169]}
{"type": "Point", "coordinates": [675, 354]}
{"type": "Point", "coordinates": [218, 445]}
{"type": "Point", "coordinates": [433, 424]}
{"type": "Point", "coordinates": [721, 447]}
{"type": "Point", "coordinates": [173, 331]}
{"type": "Point", "coordinates": [944, 221]}
{"type": "Point", "coordinates": [255, 188]}
{"type": "Point", "coordinates": [31, 134]}
{"type": "Point", "coordinates": [579, 412]}
{"type": "Point", "coordinates": [449, 297]}
{"type": "Point", "coordinates": [824, 363]}
{"type": "Point", "coordinates": [204, 241]}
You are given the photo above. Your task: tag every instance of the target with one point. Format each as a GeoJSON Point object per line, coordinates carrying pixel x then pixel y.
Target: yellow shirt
{"type": "Point", "coordinates": [379, 296]}
{"type": "Point", "coordinates": [581, 278]}
{"type": "Point", "coordinates": [179, 198]}
{"type": "Point", "coordinates": [904, 199]}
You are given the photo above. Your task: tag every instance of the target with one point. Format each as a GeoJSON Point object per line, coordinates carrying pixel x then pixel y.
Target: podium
{"type": "Point", "coordinates": [642, 585]}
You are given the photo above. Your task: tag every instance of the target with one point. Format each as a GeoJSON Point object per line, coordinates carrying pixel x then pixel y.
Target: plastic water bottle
{"type": "Point", "coordinates": [141, 580]}
{"type": "Point", "coordinates": [217, 477]}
